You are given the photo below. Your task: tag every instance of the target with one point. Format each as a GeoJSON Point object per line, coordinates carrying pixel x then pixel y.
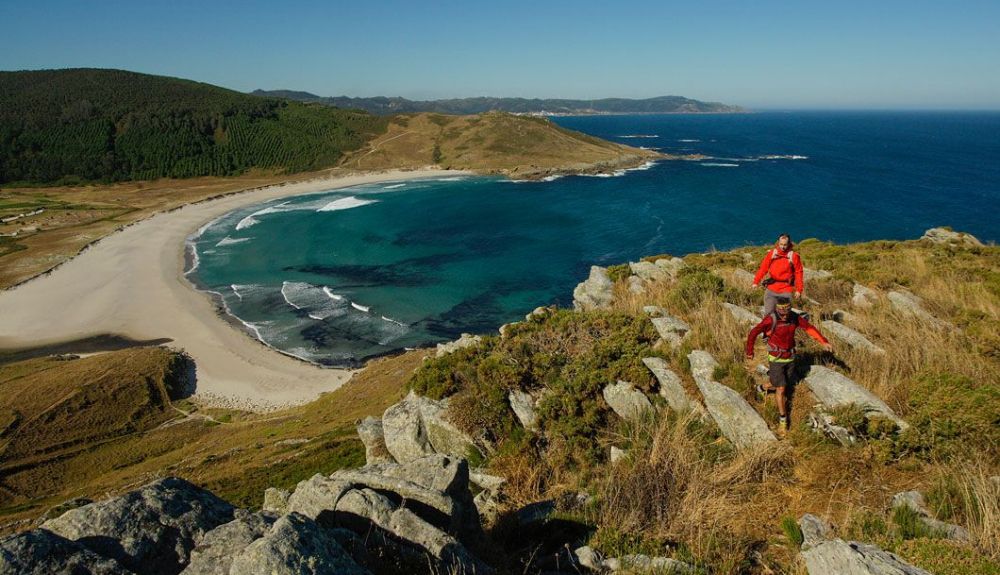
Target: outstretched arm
{"type": "Point", "coordinates": [756, 331]}
{"type": "Point", "coordinates": [799, 281]}
{"type": "Point", "coordinates": [814, 333]}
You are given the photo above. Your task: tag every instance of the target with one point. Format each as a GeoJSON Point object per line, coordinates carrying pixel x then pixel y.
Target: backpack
{"type": "Point", "coordinates": [791, 264]}
{"type": "Point", "coordinates": [793, 318]}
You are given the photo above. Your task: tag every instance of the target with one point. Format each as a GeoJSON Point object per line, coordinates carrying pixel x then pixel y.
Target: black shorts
{"type": "Point", "coordinates": [781, 374]}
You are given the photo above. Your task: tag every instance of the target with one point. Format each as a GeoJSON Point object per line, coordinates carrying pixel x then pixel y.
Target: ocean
{"type": "Point", "coordinates": [342, 276]}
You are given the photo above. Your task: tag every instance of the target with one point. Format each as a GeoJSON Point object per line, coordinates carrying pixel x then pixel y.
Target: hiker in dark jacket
{"type": "Point", "coordinates": [783, 268]}
{"type": "Point", "coordinates": [779, 331]}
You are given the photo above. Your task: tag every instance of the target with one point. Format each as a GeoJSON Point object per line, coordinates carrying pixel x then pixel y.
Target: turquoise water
{"type": "Point", "coordinates": [341, 276]}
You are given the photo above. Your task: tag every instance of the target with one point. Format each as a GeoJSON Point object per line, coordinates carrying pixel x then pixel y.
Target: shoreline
{"type": "Point", "coordinates": [132, 283]}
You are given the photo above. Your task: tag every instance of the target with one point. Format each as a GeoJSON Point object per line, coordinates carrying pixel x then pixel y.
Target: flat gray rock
{"type": "Point", "coordinates": [596, 292]}
{"type": "Point", "coordinates": [41, 552]}
{"type": "Point", "coordinates": [914, 500]}
{"type": "Point", "coordinates": [636, 285]}
{"type": "Point", "coordinates": [814, 531]}
{"type": "Point", "coordinates": [851, 337]}
{"type": "Point", "coordinates": [219, 546]}
{"type": "Point", "coordinates": [863, 296]}
{"type": "Point", "coordinates": [671, 329]}
{"type": "Point", "coordinates": [150, 530]}
{"type": "Point", "coordinates": [649, 272]}
{"type": "Point", "coordinates": [672, 266]}
{"type": "Point", "coordinates": [418, 426]}
{"type": "Point", "coordinates": [737, 419]}
{"type": "Point", "coordinates": [912, 305]}
{"type": "Point", "coordinates": [627, 401]}
{"type": "Point", "coordinates": [742, 314]}
{"type": "Point", "coordinates": [834, 389]}
{"type": "Point", "coordinates": [671, 388]}
{"type": "Point", "coordinates": [853, 558]}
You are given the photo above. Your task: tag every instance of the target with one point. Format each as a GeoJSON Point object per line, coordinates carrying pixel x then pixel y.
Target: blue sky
{"type": "Point", "coordinates": [763, 54]}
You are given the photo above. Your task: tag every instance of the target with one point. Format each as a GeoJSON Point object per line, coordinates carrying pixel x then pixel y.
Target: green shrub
{"type": "Point", "coordinates": [792, 530]}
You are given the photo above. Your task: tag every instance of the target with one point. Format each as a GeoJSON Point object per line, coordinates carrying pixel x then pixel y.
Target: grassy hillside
{"type": "Point", "coordinates": [682, 490]}
{"type": "Point", "coordinates": [113, 125]}
{"type": "Point", "coordinates": [492, 143]}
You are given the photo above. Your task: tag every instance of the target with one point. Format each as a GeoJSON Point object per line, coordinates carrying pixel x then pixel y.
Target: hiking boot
{"type": "Point", "coordinates": [782, 427]}
{"type": "Point", "coordinates": [761, 393]}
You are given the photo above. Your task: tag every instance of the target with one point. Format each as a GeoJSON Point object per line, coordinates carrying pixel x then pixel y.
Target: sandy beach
{"type": "Point", "coordinates": [131, 283]}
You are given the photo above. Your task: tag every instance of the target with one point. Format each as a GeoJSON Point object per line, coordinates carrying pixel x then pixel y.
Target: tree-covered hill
{"type": "Point", "coordinates": [112, 125]}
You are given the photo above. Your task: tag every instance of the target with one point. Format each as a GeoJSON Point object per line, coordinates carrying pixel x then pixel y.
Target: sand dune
{"type": "Point", "coordinates": [131, 283]}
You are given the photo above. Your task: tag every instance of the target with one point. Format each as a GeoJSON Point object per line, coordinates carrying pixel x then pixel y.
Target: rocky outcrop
{"type": "Point", "coordinates": [151, 530]}
{"type": "Point", "coordinates": [863, 296]}
{"type": "Point", "coordinates": [742, 278]}
{"type": "Point", "coordinates": [636, 285]}
{"type": "Point", "coordinates": [833, 390]}
{"type": "Point", "coordinates": [736, 419]}
{"type": "Point", "coordinates": [851, 337]}
{"type": "Point", "coordinates": [742, 315]}
{"type": "Point", "coordinates": [41, 552]}
{"type": "Point", "coordinates": [911, 305]}
{"type": "Point", "coordinates": [843, 316]}
{"type": "Point", "coordinates": [951, 238]}
{"type": "Point", "coordinates": [672, 266]}
{"type": "Point", "coordinates": [373, 436]}
{"type": "Point", "coordinates": [914, 500]}
{"type": "Point", "coordinates": [221, 545]}
{"type": "Point", "coordinates": [823, 556]}
{"type": "Point", "coordinates": [592, 560]}
{"type": "Point", "coordinates": [811, 275]}
{"type": "Point", "coordinates": [464, 341]}
{"type": "Point", "coordinates": [671, 388]}
{"type": "Point", "coordinates": [275, 500]}
{"type": "Point", "coordinates": [649, 272]}
{"type": "Point", "coordinates": [295, 545]}
{"type": "Point", "coordinates": [627, 401]}
{"type": "Point", "coordinates": [418, 426]}
{"type": "Point", "coordinates": [523, 406]}
{"type": "Point", "coordinates": [671, 329]}
{"type": "Point", "coordinates": [596, 292]}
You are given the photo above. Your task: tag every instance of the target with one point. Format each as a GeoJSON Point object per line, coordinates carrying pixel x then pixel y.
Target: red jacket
{"type": "Point", "coordinates": [781, 341]}
{"type": "Point", "coordinates": [776, 264]}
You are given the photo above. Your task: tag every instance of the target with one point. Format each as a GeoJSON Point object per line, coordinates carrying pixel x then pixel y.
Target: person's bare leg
{"type": "Point", "coordinates": [779, 395]}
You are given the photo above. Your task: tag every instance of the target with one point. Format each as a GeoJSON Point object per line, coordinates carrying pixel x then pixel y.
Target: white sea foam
{"type": "Point", "coordinates": [228, 241]}
{"type": "Point", "coordinates": [393, 187]}
{"type": "Point", "coordinates": [640, 136]}
{"type": "Point", "coordinates": [551, 178]}
{"type": "Point", "coordinates": [285, 290]}
{"type": "Point", "coordinates": [251, 220]}
{"type": "Point", "coordinates": [332, 295]}
{"type": "Point", "coordinates": [360, 307]}
{"type": "Point", "coordinates": [644, 166]}
{"type": "Point", "coordinates": [783, 157]}
{"type": "Point", "coordinates": [195, 260]}
{"type": "Point", "coordinates": [719, 165]}
{"type": "Point", "coordinates": [345, 204]}
{"type": "Point", "coordinates": [319, 303]}
{"type": "Point", "coordinates": [688, 140]}
{"type": "Point", "coordinates": [390, 320]}
{"type": "Point", "coordinates": [450, 179]}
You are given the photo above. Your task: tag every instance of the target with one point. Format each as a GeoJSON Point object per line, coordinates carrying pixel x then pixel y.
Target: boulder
{"type": "Point", "coordinates": [295, 545]}
{"type": "Point", "coordinates": [150, 530]}
{"type": "Point", "coordinates": [671, 329]}
{"type": "Point", "coordinates": [219, 546]}
{"type": "Point", "coordinates": [589, 558]}
{"type": "Point", "coordinates": [317, 496]}
{"type": "Point", "coordinates": [851, 337]}
{"type": "Point", "coordinates": [911, 305]}
{"type": "Point", "coordinates": [736, 419]}
{"type": "Point", "coordinates": [809, 275]}
{"type": "Point", "coordinates": [523, 406]}
{"type": "Point", "coordinates": [539, 313]}
{"type": "Point", "coordinates": [464, 341]}
{"type": "Point", "coordinates": [534, 513]}
{"type": "Point", "coordinates": [644, 564]}
{"type": "Point", "coordinates": [814, 531]}
{"type": "Point", "coordinates": [627, 401]}
{"type": "Point", "coordinates": [863, 297]}
{"type": "Point", "coordinates": [853, 558]}
{"type": "Point", "coordinates": [672, 266]}
{"type": "Point", "coordinates": [654, 311]}
{"type": "Point", "coordinates": [418, 426]}
{"type": "Point", "coordinates": [408, 526]}
{"type": "Point", "coordinates": [275, 500]}
{"type": "Point", "coordinates": [742, 314]}
{"type": "Point", "coordinates": [486, 481]}
{"type": "Point", "coordinates": [833, 390]}
{"type": "Point", "coordinates": [636, 285]}
{"type": "Point", "coordinates": [914, 500]}
{"type": "Point", "coordinates": [741, 278]}
{"type": "Point", "coordinates": [649, 272]}
{"type": "Point", "coordinates": [843, 316]}
{"type": "Point", "coordinates": [670, 386]}
{"type": "Point", "coordinates": [373, 436]}
{"type": "Point", "coordinates": [952, 238]}
{"type": "Point", "coordinates": [617, 454]}
{"type": "Point", "coordinates": [596, 292]}
{"type": "Point", "coordinates": [41, 552]}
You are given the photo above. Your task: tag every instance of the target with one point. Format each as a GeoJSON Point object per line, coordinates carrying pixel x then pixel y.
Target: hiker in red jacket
{"type": "Point", "coordinates": [783, 268]}
{"type": "Point", "coordinates": [779, 332]}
